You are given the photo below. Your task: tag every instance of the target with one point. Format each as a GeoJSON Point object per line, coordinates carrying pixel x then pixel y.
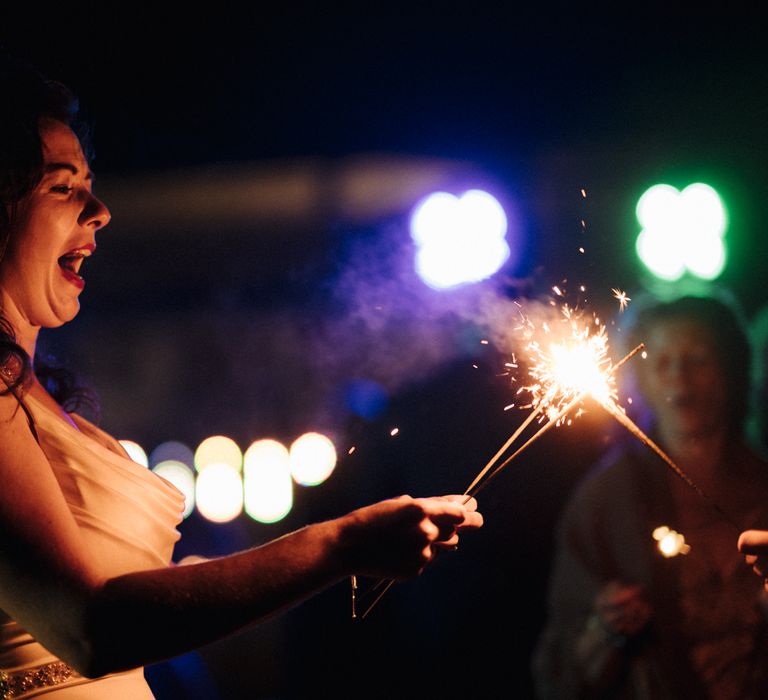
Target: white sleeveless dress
{"type": "Point", "coordinates": [127, 515]}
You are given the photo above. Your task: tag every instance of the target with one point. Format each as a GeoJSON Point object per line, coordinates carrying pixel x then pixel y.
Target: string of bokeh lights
{"type": "Point", "coordinates": [221, 481]}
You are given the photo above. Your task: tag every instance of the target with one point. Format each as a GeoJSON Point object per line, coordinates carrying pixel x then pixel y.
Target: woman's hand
{"type": "Point", "coordinates": [754, 544]}
{"type": "Point", "coordinates": [399, 537]}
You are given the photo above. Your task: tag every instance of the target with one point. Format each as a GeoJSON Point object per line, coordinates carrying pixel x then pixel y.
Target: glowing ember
{"type": "Point", "coordinates": [394, 431]}
{"type": "Point", "coordinates": [351, 450]}
{"type": "Point", "coordinates": [670, 543]}
{"type": "Point", "coordinates": [622, 298]}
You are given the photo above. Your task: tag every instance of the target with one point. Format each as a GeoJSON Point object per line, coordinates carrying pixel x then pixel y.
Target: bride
{"type": "Point", "coordinates": [87, 591]}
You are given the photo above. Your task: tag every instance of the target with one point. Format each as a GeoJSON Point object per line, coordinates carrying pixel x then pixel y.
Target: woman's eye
{"type": "Point", "coordinates": [64, 189]}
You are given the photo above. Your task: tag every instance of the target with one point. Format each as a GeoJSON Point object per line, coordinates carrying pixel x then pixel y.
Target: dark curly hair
{"type": "Point", "coordinates": [723, 320]}
{"type": "Point", "coordinates": [27, 99]}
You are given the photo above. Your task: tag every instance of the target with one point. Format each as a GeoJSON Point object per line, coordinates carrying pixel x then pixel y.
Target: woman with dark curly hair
{"type": "Point", "coordinates": [87, 592]}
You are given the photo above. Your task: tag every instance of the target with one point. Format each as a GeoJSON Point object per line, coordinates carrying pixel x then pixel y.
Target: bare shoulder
{"type": "Point", "coordinates": [14, 425]}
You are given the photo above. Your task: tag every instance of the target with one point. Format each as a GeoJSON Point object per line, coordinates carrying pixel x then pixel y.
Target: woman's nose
{"type": "Point", "coordinates": [95, 213]}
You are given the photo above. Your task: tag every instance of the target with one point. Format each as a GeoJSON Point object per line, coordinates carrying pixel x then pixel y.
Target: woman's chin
{"type": "Point", "coordinates": [63, 313]}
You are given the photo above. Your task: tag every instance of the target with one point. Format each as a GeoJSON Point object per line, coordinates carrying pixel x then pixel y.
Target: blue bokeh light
{"type": "Point", "coordinates": [365, 398]}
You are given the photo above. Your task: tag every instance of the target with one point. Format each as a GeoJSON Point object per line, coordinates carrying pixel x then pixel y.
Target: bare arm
{"type": "Point", "coordinates": [55, 589]}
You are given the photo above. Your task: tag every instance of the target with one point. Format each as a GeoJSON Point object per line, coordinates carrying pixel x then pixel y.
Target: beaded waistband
{"type": "Point", "coordinates": [16, 683]}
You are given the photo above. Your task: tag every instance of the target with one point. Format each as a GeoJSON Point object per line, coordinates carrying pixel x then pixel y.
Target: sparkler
{"type": "Point", "coordinates": [568, 361]}
{"type": "Point", "coordinates": [565, 372]}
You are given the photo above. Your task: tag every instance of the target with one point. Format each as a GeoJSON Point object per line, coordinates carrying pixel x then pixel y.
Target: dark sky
{"type": "Point", "coordinates": [487, 81]}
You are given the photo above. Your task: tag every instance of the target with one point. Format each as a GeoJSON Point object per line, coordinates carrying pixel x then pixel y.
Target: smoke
{"type": "Point", "coordinates": [390, 328]}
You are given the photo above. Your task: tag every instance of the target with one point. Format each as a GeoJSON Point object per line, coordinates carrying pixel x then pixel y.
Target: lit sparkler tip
{"type": "Point", "coordinates": [670, 542]}
{"type": "Point", "coordinates": [583, 193]}
{"type": "Point", "coordinates": [351, 450]}
{"type": "Point", "coordinates": [394, 431]}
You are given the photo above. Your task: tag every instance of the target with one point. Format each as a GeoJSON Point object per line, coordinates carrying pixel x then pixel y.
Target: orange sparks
{"type": "Point", "coordinates": [567, 357]}
{"type": "Point", "coordinates": [622, 298]}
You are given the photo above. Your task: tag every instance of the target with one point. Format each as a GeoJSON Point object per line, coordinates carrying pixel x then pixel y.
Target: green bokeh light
{"type": "Point", "coordinates": [682, 232]}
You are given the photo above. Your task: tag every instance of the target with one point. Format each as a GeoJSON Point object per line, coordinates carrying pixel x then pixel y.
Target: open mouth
{"type": "Point", "coordinates": [71, 263]}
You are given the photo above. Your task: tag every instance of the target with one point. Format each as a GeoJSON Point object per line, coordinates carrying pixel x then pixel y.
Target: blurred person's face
{"type": "Point", "coordinates": [55, 229]}
{"type": "Point", "coordinates": [682, 380]}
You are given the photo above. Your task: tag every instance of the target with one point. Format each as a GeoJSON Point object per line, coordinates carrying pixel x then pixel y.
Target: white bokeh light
{"type": "Point", "coordinates": [312, 459]}
{"type": "Point", "coordinates": [219, 492]}
{"type": "Point", "coordinates": [135, 452]}
{"type": "Point", "coordinates": [267, 481]}
{"type": "Point", "coordinates": [460, 240]}
{"type": "Point", "coordinates": [182, 477]}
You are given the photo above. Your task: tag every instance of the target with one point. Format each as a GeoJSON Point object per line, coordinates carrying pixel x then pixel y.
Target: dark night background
{"type": "Point", "coordinates": [249, 317]}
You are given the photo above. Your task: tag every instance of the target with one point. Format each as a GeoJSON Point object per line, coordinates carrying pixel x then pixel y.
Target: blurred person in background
{"type": "Point", "coordinates": [624, 621]}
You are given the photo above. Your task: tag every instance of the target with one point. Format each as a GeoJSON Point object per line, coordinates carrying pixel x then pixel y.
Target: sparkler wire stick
{"type": "Point", "coordinates": [630, 425]}
{"type": "Point", "coordinates": [506, 446]}
{"type": "Point", "coordinates": [475, 487]}
{"type": "Point", "coordinates": [472, 491]}
{"type": "Point", "coordinates": [388, 583]}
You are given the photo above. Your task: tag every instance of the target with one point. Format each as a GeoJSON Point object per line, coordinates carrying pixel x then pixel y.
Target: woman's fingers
{"type": "Point", "coordinates": [754, 542]}
{"type": "Point", "coordinates": [754, 545]}
{"type": "Point", "coordinates": [399, 537]}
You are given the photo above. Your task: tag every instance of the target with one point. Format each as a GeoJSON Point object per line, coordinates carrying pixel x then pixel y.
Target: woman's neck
{"type": "Point", "coordinates": [25, 333]}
